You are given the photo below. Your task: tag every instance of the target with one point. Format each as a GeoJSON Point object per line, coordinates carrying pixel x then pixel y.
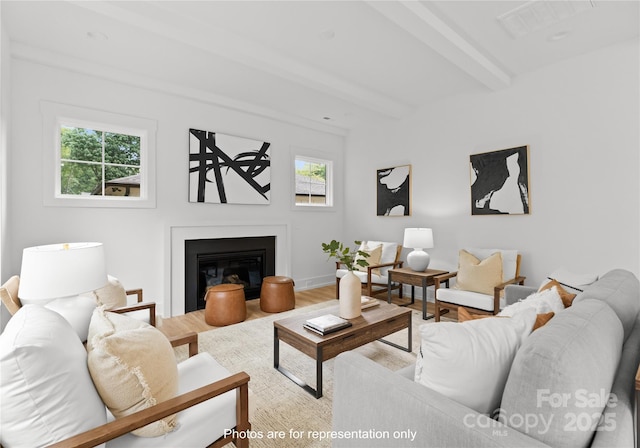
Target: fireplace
{"type": "Point", "coordinates": [210, 262]}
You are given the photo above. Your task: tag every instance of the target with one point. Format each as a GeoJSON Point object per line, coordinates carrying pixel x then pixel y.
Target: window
{"type": "Point", "coordinates": [313, 182]}
{"type": "Point", "coordinates": [99, 163]}
{"type": "Point", "coordinates": [98, 159]}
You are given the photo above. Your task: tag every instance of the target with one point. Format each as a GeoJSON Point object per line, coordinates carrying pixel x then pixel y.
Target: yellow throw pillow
{"type": "Point", "coordinates": [567, 297]}
{"type": "Point", "coordinates": [478, 276]}
{"type": "Point", "coordinates": [133, 367]}
{"type": "Point", "coordinates": [373, 259]}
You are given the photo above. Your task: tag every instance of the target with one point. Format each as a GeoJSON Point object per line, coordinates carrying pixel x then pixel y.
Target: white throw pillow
{"type": "Point", "coordinates": [47, 392]}
{"type": "Point", "coordinates": [469, 362]}
{"type": "Point", "coordinates": [76, 310]}
{"type": "Point", "coordinates": [543, 302]}
{"type": "Point", "coordinates": [572, 282]}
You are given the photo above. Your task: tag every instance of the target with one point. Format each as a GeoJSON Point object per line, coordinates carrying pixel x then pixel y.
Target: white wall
{"type": "Point", "coordinates": [135, 240]}
{"type": "Point", "coordinates": [5, 95]}
{"type": "Point", "coordinates": [581, 120]}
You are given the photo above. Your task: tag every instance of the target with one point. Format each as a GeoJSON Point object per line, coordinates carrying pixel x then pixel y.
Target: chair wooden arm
{"type": "Point", "coordinates": [443, 278]}
{"type": "Point", "coordinates": [135, 292]}
{"type": "Point", "coordinates": [370, 268]}
{"type": "Point", "coordinates": [514, 281]}
{"type": "Point", "coordinates": [151, 306]}
{"type": "Point", "coordinates": [497, 291]}
{"type": "Point", "coordinates": [397, 263]}
{"type": "Point", "coordinates": [189, 338]}
{"type": "Point", "coordinates": [124, 425]}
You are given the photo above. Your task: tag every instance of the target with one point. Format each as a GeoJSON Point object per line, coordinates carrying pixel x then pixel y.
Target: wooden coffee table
{"type": "Point", "coordinates": [373, 324]}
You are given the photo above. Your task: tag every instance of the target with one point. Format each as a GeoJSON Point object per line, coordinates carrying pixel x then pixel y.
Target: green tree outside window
{"type": "Point", "coordinates": [91, 159]}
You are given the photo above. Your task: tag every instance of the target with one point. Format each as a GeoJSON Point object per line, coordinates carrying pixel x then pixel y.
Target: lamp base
{"type": "Point", "coordinates": [418, 260]}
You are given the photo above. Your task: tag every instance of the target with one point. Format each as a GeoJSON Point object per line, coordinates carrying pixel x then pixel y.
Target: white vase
{"type": "Point", "coordinates": [350, 292]}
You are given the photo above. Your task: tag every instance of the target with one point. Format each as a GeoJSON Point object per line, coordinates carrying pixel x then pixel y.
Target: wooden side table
{"type": "Point", "coordinates": [414, 278]}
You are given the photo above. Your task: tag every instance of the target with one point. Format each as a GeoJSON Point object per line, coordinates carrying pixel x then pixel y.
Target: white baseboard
{"type": "Point", "coordinates": [302, 284]}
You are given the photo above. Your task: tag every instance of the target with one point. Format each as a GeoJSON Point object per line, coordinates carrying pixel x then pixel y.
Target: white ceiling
{"type": "Point", "coordinates": [325, 64]}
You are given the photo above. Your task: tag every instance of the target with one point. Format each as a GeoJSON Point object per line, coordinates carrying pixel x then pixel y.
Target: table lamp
{"type": "Point", "coordinates": [418, 239]}
{"type": "Point", "coordinates": [57, 275]}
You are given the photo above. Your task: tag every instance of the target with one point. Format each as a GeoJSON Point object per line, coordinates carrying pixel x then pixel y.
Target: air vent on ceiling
{"type": "Point", "coordinates": [538, 14]}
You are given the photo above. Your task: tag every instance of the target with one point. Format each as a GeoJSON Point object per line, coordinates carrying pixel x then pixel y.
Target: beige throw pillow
{"type": "Point", "coordinates": [133, 367]}
{"type": "Point", "coordinates": [112, 295]}
{"type": "Point", "coordinates": [478, 276]}
{"type": "Point", "coordinates": [375, 252]}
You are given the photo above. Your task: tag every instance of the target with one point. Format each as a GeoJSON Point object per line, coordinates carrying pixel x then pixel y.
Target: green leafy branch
{"type": "Point", "coordinates": [345, 255]}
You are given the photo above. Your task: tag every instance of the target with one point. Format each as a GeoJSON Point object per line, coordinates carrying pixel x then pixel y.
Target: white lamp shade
{"type": "Point", "coordinates": [61, 270]}
{"type": "Point", "coordinates": [418, 238]}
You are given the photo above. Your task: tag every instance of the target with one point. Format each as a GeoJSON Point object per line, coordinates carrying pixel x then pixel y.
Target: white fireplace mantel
{"type": "Point", "coordinates": [176, 236]}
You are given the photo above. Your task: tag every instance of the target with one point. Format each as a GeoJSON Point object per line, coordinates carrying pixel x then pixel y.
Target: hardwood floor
{"type": "Point", "coordinates": [194, 321]}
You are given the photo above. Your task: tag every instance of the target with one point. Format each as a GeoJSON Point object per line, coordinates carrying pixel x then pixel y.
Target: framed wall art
{"type": "Point", "coordinates": [225, 169]}
{"type": "Point", "coordinates": [500, 182]}
{"type": "Point", "coordinates": [393, 188]}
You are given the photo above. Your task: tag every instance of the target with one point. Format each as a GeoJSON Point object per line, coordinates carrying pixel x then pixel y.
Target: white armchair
{"type": "Point", "coordinates": [116, 298]}
{"type": "Point", "coordinates": [49, 396]}
{"type": "Point", "coordinates": [374, 278]}
{"type": "Point", "coordinates": [479, 281]}
{"type": "Point", "coordinates": [113, 296]}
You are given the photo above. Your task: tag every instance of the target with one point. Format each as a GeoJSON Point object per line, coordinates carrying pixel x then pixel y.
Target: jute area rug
{"type": "Point", "coordinates": [281, 413]}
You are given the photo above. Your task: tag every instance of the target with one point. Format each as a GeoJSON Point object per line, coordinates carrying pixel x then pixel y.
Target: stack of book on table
{"type": "Point", "coordinates": [368, 302]}
{"type": "Point", "coordinates": [326, 324]}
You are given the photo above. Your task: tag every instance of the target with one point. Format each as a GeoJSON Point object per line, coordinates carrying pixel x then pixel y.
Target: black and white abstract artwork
{"type": "Point", "coordinates": [225, 169]}
{"type": "Point", "coordinates": [500, 182]}
{"type": "Point", "coordinates": [394, 191]}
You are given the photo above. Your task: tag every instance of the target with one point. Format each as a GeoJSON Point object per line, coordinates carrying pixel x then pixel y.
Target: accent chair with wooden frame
{"type": "Point", "coordinates": [117, 428]}
{"type": "Point", "coordinates": [479, 302]}
{"type": "Point", "coordinates": [211, 405]}
{"type": "Point", "coordinates": [10, 299]}
{"type": "Point", "coordinates": [374, 278]}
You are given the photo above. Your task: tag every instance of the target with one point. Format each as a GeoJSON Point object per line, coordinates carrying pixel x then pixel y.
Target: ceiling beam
{"type": "Point", "coordinates": [167, 20]}
{"type": "Point", "coordinates": [64, 62]}
{"type": "Point", "coordinates": [417, 19]}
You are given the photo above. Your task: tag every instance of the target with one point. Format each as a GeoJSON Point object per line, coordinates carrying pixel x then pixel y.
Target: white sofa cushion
{"type": "Point", "coordinates": [469, 362]}
{"type": "Point", "coordinates": [468, 298]}
{"type": "Point", "coordinates": [199, 425]}
{"type": "Point", "coordinates": [39, 407]}
{"type": "Point", "coordinates": [133, 367]}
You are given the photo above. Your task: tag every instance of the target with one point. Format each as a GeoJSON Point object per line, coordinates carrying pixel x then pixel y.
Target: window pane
{"type": "Point", "coordinates": [122, 149]}
{"type": "Point", "coordinates": [79, 178]}
{"type": "Point", "coordinates": [80, 144]}
{"type": "Point", "coordinates": [311, 186]}
{"type": "Point", "coordinates": [122, 181]}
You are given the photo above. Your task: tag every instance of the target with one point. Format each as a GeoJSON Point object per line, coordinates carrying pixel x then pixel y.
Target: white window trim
{"type": "Point", "coordinates": [55, 114]}
{"type": "Point", "coordinates": [330, 181]}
